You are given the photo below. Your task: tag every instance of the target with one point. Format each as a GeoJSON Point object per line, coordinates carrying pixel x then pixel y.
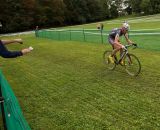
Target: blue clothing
{"type": "Point", "coordinates": [113, 33]}
{"type": "Point", "coordinates": [8, 54]}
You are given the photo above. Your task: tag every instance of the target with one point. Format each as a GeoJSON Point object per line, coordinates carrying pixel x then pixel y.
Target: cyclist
{"type": "Point", "coordinates": [114, 40]}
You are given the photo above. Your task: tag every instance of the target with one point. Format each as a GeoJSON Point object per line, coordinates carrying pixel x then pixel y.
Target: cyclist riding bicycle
{"type": "Point", "coordinates": [114, 40]}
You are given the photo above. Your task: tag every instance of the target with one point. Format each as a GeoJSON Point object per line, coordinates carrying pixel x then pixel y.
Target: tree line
{"type": "Point", "coordinates": [20, 15]}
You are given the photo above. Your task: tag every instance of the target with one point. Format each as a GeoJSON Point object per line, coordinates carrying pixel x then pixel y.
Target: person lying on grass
{"type": "Point", "coordinates": [5, 53]}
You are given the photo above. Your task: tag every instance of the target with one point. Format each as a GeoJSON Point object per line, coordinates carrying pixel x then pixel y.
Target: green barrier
{"type": "Point", "coordinates": [86, 35]}
{"type": "Point", "coordinates": [146, 39]}
{"type": "Point", "coordinates": [13, 118]}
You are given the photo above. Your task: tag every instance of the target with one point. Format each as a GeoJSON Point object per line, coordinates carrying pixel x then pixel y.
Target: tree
{"type": "Point", "coordinates": [146, 7]}
{"type": "Point", "coordinates": [95, 10]}
{"type": "Point", "coordinates": [52, 12]}
{"type": "Point", "coordinates": [105, 8]}
{"type": "Point", "coordinates": [155, 4]}
{"type": "Point", "coordinates": [113, 8]}
{"type": "Point", "coordinates": [19, 15]}
{"type": "Point", "coordinates": [82, 11]}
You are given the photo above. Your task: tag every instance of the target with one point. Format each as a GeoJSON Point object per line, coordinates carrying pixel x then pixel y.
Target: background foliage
{"type": "Point", "coordinates": [20, 15]}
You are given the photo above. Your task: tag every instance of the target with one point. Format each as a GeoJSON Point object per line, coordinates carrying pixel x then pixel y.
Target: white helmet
{"type": "Point", "coordinates": [126, 25]}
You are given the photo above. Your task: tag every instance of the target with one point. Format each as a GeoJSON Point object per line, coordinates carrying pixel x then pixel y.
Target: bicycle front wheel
{"type": "Point", "coordinates": [132, 65]}
{"type": "Point", "coordinates": [110, 66]}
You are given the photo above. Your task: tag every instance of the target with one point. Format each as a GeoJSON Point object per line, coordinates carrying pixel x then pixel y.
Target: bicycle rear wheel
{"type": "Point", "coordinates": [132, 65]}
{"type": "Point", "coordinates": [110, 66]}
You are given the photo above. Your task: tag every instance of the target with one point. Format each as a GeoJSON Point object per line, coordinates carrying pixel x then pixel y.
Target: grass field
{"type": "Point", "coordinates": [147, 22]}
{"type": "Point", "coordinates": [66, 86]}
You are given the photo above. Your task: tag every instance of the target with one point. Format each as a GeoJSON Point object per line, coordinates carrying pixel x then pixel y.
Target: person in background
{"type": "Point", "coordinates": [100, 26]}
{"type": "Point", "coordinates": [36, 31]}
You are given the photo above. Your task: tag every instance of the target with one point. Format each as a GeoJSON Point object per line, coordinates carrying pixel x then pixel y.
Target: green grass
{"type": "Point", "coordinates": [64, 85]}
{"type": "Point", "coordinates": [115, 23]}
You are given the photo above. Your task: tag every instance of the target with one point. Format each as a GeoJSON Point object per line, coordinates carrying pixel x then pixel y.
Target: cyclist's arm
{"type": "Point", "coordinates": [127, 39]}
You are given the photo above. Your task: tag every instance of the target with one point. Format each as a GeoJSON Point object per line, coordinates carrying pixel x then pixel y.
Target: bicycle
{"type": "Point", "coordinates": [130, 61]}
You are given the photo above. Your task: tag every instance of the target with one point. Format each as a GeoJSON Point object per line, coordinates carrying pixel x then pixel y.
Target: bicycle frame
{"type": "Point", "coordinates": [125, 52]}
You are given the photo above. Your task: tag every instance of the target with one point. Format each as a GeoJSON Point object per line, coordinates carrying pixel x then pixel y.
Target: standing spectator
{"type": "Point", "coordinates": [100, 26]}
{"type": "Point", "coordinates": [36, 31]}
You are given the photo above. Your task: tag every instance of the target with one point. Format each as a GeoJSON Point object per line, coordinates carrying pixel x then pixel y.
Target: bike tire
{"type": "Point", "coordinates": [110, 66]}
{"type": "Point", "coordinates": [132, 65]}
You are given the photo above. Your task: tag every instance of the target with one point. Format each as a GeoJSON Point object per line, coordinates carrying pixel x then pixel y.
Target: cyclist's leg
{"type": "Point", "coordinates": [111, 41]}
{"type": "Point", "coordinates": [122, 60]}
{"type": "Point", "coordinates": [117, 47]}
{"type": "Point", "coordinates": [121, 52]}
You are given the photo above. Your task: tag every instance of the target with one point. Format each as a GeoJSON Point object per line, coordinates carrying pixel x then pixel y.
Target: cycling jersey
{"type": "Point", "coordinates": [113, 34]}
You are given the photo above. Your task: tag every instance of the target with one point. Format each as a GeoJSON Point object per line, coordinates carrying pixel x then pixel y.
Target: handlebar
{"type": "Point", "coordinates": [134, 44]}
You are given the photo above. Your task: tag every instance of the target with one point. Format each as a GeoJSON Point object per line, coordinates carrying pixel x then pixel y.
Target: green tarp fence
{"type": "Point", "coordinates": [86, 35]}
{"type": "Point", "coordinates": [146, 38]}
{"type": "Point", "coordinates": [13, 115]}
